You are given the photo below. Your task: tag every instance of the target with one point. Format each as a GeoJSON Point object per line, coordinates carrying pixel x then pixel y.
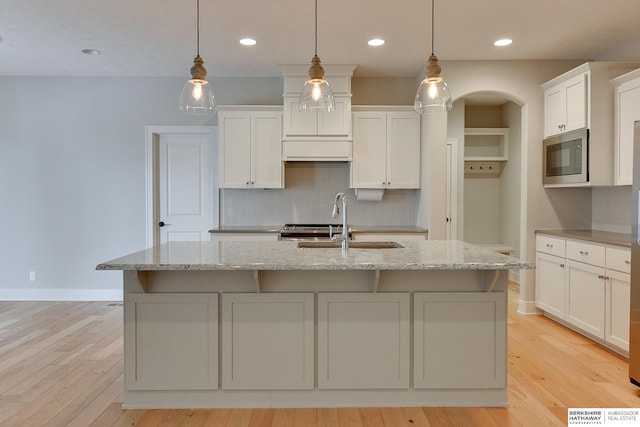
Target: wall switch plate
{"type": "Point", "coordinates": [32, 276]}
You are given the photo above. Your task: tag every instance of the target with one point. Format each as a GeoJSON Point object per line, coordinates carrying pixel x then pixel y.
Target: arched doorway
{"type": "Point", "coordinates": [488, 128]}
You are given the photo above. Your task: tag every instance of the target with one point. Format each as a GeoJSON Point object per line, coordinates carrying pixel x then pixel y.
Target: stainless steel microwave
{"type": "Point", "coordinates": [565, 158]}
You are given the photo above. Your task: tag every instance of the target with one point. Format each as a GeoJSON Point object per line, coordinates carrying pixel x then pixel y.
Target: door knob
{"type": "Point", "coordinates": [162, 224]}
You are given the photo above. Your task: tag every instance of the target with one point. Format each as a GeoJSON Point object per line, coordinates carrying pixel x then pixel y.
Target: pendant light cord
{"type": "Point", "coordinates": [198, 27]}
{"type": "Point", "coordinates": [316, 24]}
{"type": "Point", "coordinates": [432, 20]}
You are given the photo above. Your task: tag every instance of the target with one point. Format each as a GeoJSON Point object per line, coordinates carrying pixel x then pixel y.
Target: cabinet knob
{"type": "Point", "coordinates": [162, 224]}
{"type": "Point", "coordinates": [626, 261]}
{"type": "Point", "coordinates": [562, 265]}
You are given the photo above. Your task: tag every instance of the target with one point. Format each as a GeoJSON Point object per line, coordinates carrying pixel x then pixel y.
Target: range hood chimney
{"type": "Point", "coordinates": [316, 135]}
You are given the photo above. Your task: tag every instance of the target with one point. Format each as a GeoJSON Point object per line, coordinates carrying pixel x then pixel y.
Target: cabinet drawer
{"type": "Point", "coordinates": [619, 259]}
{"type": "Point", "coordinates": [550, 245]}
{"type": "Point", "coordinates": [588, 253]}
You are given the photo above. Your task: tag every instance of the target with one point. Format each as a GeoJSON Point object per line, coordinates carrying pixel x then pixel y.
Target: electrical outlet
{"type": "Point", "coordinates": [32, 276]}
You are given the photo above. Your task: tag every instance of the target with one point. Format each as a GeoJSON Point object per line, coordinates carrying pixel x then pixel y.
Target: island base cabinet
{"type": "Point", "coordinates": [363, 340]}
{"type": "Point", "coordinates": [158, 329]}
{"type": "Point", "coordinates": [460, 340]}
{"type": "Point", "coordinates": [268, 341]}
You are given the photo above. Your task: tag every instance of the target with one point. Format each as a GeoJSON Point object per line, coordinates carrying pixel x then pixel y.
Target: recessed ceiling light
{"type": "Point", "coordinates": [248, 42]}
{"type": "Point", "coordinates": [376, 42]}
{"type": "Point", "coordinates": [502, 42]}
{"type": "Point", "coordinates": [91, 51]}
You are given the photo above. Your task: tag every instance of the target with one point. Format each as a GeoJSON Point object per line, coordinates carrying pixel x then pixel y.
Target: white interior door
{"type": "Point", "coordinates": [185, 191]}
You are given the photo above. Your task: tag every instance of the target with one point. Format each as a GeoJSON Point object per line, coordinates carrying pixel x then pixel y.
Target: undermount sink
{"type": "Point", "coordinates": [352, 244]}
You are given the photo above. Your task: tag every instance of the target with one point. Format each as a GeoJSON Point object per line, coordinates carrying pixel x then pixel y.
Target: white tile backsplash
{"type": "Point", "coordinates": [611, 209]}
{"type": "Point", "coordinates": [310, 189]}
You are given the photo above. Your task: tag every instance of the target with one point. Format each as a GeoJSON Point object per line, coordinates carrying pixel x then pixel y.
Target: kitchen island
{"type": "Point", "coordinates": [268, 324]}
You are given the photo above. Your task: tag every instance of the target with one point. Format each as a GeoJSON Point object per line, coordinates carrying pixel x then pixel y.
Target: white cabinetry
{"type": "Point", "coordinates": [550, 275]}
{"type": "Point", "coordinates": [388, 237]}
{"type": "Point", "coordinates": [565, 105]}
{"type": "Point", "coordinates": [251, 148]}
{"type": "Point", "coordinates": [316, 134]}
{"type": "Point", "coordinates": [386, 149]}
{"type": "Point", "coordinates": [627, 110]}
{"type": "Point", "coordinates": [587, 287]}
{"type": "Point", "coordinates": [267, 341]}
{"type": "Point", "coordinates": [317, 122]}
{"type": "Point", "coordinates": [583, 97]}
{"type": "Point", "coordinates": [363, 340]}
{"type": "Point", "coordinates": [617, 298]}
{"type": "Point", "coordinates": [459, 340]}
{"type": "Point", "coordinates": [158, 329]}
{"type": "Point", "coordinates": [485, 150]}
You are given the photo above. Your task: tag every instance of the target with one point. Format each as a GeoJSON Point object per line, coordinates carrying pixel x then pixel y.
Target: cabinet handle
{"type": "Point", "coordinates": [626, 261]}
{"type": "Point", "coordinates": [562, 265]}
{"type": "Point", "coordinates": [549, 245]}
{"type": "Point", "coordinates": [584, 253]}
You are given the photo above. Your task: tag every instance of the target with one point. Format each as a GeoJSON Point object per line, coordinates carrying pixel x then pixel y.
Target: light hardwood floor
{"type": "Point", "coordinates": [61, 365]}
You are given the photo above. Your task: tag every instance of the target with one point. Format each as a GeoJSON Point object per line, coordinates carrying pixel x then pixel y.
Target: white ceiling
{"type": "Point", "coordinates": [158, 37]}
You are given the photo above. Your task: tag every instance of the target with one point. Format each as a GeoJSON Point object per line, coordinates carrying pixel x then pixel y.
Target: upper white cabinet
{"type": "Point", "coordinates": [583, 97]}
{"type": "Point", "coordinates": [565, 105]}
{"type": "Point", "coordinates": [317, 122]}
{"type": "Point", "coordinates": [317, 134]}
{"type": "Point", "coordinates": [251, 148]}
{"type": "Point", "coordinates": [386, 149]}
{"type": "Point", "coordinates": [627, 110]}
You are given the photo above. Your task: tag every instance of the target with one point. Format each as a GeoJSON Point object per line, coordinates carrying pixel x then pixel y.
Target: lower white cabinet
{"type": "Point", "coordinates": [585, 297]}
{"type": "Point", "coordinates": [267, 341]}
{"type": "Point", "coordinates": [363, 340]}
{"type": "Point", "coordinates": [617, 309]}
{"type": "Point", "coordinates": [388, 237]}
{"type": "Point", "coordinates": [550, 284]}
{"type": "Point", "coordinates": [158, 329]}
{"type": "Point", "coordinates": [459, 340]}
{"type": "Point", "coordinates": [589, 287]}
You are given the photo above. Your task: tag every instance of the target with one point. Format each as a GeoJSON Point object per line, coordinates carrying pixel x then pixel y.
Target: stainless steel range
{"type": "Point", "coordinates": [305, 232]}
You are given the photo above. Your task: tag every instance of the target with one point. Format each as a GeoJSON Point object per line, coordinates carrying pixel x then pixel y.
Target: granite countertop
{"type": "Point", "coordinates": [596, 236]}
{"type": "Point", "coordinates": [352, 228]}
{"type": "Point", "coordinates": [284, 255]}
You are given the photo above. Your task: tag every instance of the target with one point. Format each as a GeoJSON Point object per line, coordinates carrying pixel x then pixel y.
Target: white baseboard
{"type": "Point", "coordinates": [528, 307]}
{"type": "Point", "coordinates": [60, 294]}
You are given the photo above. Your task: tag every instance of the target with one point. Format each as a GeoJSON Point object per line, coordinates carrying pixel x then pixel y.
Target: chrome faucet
{"type": "Point", "coordinates": [344, 237]}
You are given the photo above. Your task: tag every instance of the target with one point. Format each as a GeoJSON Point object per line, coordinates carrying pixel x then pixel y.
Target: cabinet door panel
{"type": "Point", "coordinates": [550, 284]}
{"type": "Point", "coordinates": [171, 341]}
{"type": "Point", "coordinates": [554, 110]}
{"type": "Point", "coordinates": [576, 102]}
{"type": "Point", "coordinates": [338, 122]}
{"type": "Point", "coordinates": [267, 149]}
{"type": "Point", "coordinates": [459, 340]}
{"type": "Point", "coordinates": [235, 149]}
{"type": "Point", "coordinates": [267, 341]}
{"type": "Point", "coordinates": [368, 167]}
{"type": "Point", "coordinates": [628, 110]}
{"type": "Point", "coordinates": [403, 150]}
{"type": "Point", "coordinates": [363, 340]}
{"type": "Point", "coordinates": [617, 309]}
{"type": "Point", "coordinates": [296, 122]}
{"type": "Point", "coordinates": [586, 297]}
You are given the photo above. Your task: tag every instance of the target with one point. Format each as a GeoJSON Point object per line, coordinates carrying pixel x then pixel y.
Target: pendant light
{"type": "Point", "coordinates": [197, 94]}
{"type": "Point", "coordinates": [316, 93]}
{"type": "Point", "coordinates": [433, 94]}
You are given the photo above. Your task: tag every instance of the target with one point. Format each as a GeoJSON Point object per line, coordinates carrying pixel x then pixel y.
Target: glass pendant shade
{"type": "Point", "coordinates": [316, 93]}
{"type": "Point", "coordinates": [433, 94]}
{"type": "Point", "coordinates": [197, 96]}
